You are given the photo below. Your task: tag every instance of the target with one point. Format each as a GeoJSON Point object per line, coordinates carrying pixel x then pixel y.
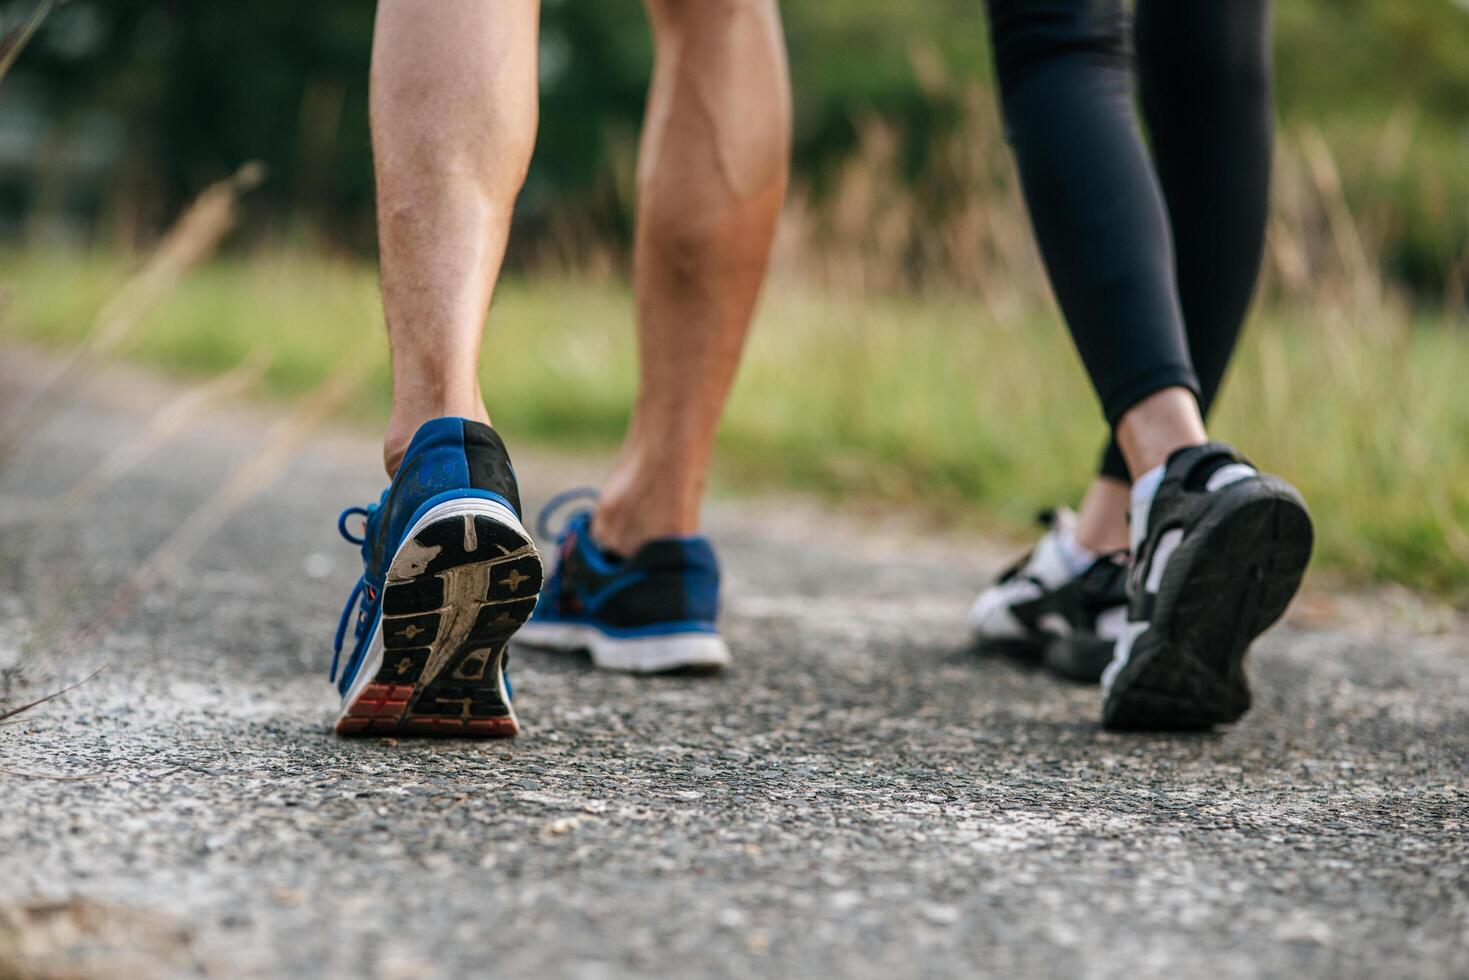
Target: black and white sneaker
{"type": "Point", "coordinates": [1217, 557]}
{"type": "Point", "coordinates": [1039, 611]}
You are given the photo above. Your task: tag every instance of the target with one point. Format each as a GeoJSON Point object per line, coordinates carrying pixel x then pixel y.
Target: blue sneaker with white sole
{"type": "Point", "coordinates": [654, 611]}
{"type": "Point", "coordinates": [449, 575]}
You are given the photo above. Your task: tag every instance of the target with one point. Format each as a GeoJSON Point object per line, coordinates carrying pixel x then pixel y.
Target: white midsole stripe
{"type": "Point", "coordinates": [635, 654]}
{"type": "Point", "coordinates": [1167, 544]}
{"type": "Point", "coordinates": [1121, 652]}
{"type": "Point", "coordinates": [1225, 475]}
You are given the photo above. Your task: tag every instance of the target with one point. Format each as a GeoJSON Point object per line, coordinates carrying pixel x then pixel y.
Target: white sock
{"type": "Point", "coordinates": [1077, 558]}
{"type": "Point", "coordinates": [1144, 488]}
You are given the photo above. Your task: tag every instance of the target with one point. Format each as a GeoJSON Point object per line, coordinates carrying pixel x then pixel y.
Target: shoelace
{"type": "Point", "coordinates": [359, 590]}
{"type": "Point", "coordinates": [543, 520]}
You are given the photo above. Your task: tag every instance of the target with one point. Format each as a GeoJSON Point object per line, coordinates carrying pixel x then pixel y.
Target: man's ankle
{"type": "Point", "coordinates": [632, 512]}
{"type": "Point", "coordinates": [623, 530]}
{"type": "Point", "coordinates": [404, 422]}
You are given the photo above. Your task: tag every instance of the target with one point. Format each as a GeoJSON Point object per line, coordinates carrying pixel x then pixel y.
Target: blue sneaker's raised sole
{"type": "Point", "coordinates": [636, 652]}
{"type": "Point", "coordinates": [462, 582]}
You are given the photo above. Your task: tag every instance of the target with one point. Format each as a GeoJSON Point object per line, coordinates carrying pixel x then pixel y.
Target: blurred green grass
{"type": "Point", "coordinates": [921, 402]}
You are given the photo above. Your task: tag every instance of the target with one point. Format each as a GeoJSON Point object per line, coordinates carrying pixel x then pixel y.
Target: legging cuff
{"type": "Point", "coordinates": [1120, 398]}
{"type": "Point", "coordinates": [1114, 466]}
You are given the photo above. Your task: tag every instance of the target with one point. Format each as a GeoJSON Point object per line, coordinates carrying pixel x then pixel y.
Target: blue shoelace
{"type": "Point", "coordinates": [543, 520]}
{"type": "Point", "coordinates": [361, 593]}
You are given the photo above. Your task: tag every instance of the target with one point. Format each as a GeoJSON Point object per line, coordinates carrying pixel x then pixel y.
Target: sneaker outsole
{"type": "Point", "coordinates": [1079, 658]}
{"type": "Point", "coordinates": [1027, 650]}
{"type": "Point", "coordinates": [698, 652]}
{"type": "Point", "coordinates": [460, 585]}
{"type": "Point", "coordinates": [1082, 659]}
{"type": "Point", "coordinates": [1230, 580]}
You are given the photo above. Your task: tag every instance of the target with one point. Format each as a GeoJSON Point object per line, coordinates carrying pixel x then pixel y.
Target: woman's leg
{"type": "Point", "coordinates": [1066, 83]}
{"type": "Point", "coordinates": [1217, 548]}
{"type": "Point", "coordinates": [1205, 79]}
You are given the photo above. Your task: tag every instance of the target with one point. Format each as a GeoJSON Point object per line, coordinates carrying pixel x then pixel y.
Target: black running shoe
{"type": "Point", "coordinates": [1216, 561]}
{"type": "Point", "coordinates": [1040, 613]}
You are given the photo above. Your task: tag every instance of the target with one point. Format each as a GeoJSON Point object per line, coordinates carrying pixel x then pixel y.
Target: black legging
{"type": "Point", "coordinates": [1153, 260]}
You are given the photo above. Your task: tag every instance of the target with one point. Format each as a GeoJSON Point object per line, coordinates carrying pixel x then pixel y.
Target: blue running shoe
{"type": "Point", "coordinates": [652, 612]}
{"type": "Point", "coordinates": [450, 574]}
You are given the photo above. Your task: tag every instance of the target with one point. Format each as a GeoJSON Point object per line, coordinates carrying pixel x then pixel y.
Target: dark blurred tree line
{"type": "Point", "coordinates": [122, 109]}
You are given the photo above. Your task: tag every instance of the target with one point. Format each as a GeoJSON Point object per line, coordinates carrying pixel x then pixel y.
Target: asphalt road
{"type": "Point", "coordinates": [861, 795]}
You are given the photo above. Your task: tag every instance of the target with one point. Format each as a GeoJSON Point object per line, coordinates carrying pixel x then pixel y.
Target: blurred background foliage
{"type": "Point", "coordinates": [122, 110]}
{"type": "Point", "coordinates": [905, 265]}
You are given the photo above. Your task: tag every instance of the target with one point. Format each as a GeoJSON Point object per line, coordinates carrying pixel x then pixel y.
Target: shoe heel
{"type": "Point", "coordinates": [464, 580]}
{"type": "Point", "coordinates": [1078, 658]}
{"type": "Point", "coordinates": [1232, 582]}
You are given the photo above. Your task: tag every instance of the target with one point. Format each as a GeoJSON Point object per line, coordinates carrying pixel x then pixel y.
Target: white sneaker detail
{"type": "Point", "coordinates": [1056, 562]}
{"type": "Point", "coordinates": [631, 654]}
{"type": "Point", "coordinates": [990, 616]}
{"type": "Point", "coordinates": [1167, 544]}
{"type": "Point", "coordinates": [1144, 489]}
{"type": "Point", "coordinates": [1225, 475]}
{"type": "Point", "coordinates": [1077, 558]}
{"type": "Point", "coordinates": [1052, 560]}
{"type": "Point", "coordinates": [1121, 651]}
{"type": "Point", "coordinates": [1112, 622]}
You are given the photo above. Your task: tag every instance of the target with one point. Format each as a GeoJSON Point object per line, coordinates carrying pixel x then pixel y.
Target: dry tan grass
{"type": "Point", "coordinates": [15, 41]}
{"type": "Point", "coordinates": [960, 226]}
{"type": "Point", "coordinates": [80, 938]}
{"type": "Point", "coordinates": [191, 240]}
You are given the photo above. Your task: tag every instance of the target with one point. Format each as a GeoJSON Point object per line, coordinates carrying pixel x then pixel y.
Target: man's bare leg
{"type": "Point", "coordinates": [711, 178]}
{"type": "Point", "coordinates": [449, 572]}
{"type": "Point", "coordinates": [454, 96]}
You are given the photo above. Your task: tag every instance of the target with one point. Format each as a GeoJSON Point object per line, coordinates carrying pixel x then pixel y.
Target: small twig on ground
{"type": "Point", "coordinates": [12, 712]}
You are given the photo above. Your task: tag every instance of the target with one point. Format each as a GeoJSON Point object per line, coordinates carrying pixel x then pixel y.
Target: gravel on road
{"type": "Point", "coordinates": [861, 795]}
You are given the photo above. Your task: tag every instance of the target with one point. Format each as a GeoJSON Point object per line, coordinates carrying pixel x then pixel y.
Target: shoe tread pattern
{"type": "Point", "coordinates": [1232, 577]}
{"type": "Point", "coordinates": [454, 596]}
